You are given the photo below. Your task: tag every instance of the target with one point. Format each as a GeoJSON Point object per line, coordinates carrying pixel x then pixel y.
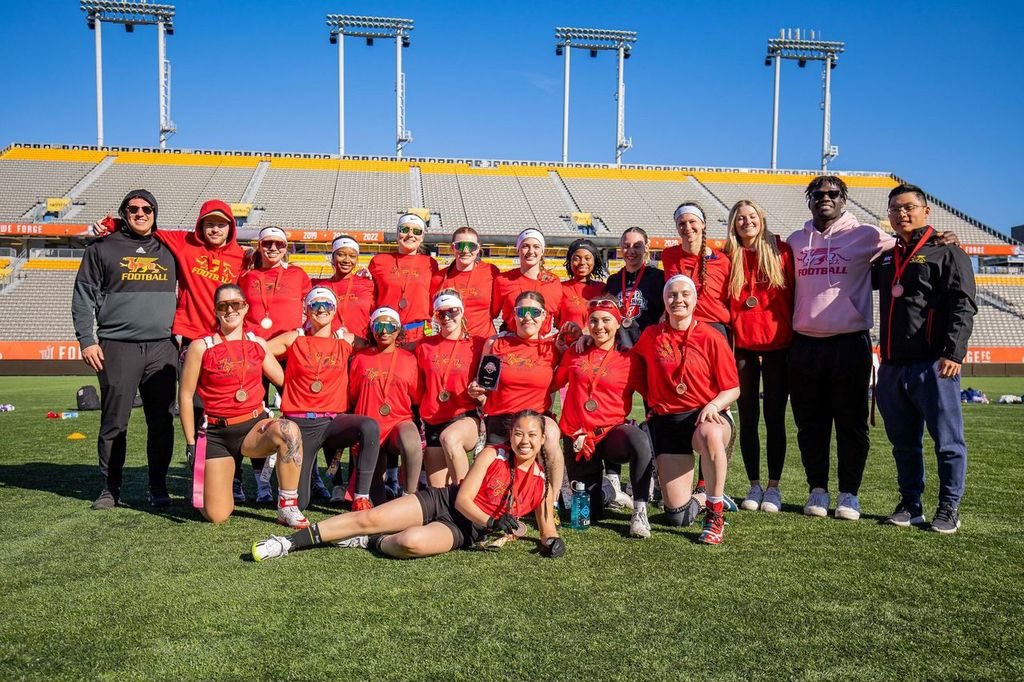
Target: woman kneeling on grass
{"type": "Point", "coordinates": [504, 483]}
{"type": "Point", "coordinates": [226, 370]}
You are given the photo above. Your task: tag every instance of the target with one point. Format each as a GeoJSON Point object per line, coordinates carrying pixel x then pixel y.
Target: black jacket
{"type": "Point", "coordinates": [648, 304]}
{"type": "Point", "coordinates": [934, 316]}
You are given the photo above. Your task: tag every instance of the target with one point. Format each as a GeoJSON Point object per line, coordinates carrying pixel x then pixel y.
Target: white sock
{"type": "Point", "coordinates": [284, 495]}
{"type": "Point", "coordinates": [362, 497]}
{"type": "Point", "coordinates": [639, 505]}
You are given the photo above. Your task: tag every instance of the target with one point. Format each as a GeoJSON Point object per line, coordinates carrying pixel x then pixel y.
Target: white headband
{"type": "Point", "coordinates": [679, 278]}
{"type": "Point", "coordinates": [321, 292]}
{"type": "Point", "coordinates": [530, 234]}
{"type": "Point", "coordinates": [272, 232]}
{"type": "Point", "coordinates": [412, 219]}
{"type": "Point", "coordinates": [345, 242]}
{"type": "Point", "coordinates": [691, 209]}
{"type": "Point", "coordinates": [382, 312]}
{"type": "Point", "coordinates": [447, 301]}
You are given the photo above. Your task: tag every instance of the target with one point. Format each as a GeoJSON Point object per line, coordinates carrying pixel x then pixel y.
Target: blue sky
{"type": "Point", "coordinates": [932, 91]}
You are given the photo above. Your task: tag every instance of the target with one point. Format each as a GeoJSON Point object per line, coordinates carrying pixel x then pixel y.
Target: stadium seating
{"type": "Point", "coordinates": [25, 183]}
{"type": "Point", "coordinates": [22, 318]}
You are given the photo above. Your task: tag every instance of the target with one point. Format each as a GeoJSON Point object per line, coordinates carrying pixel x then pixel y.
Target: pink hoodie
{"type": "Point", "coordinates": [833, 276]}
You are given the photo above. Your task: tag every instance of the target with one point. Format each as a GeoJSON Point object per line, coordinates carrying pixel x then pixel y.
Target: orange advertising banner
{"type": "Point", "coordinates": [80, 230]}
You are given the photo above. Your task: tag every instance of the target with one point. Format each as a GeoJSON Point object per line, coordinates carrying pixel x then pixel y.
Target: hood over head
{"type": "Point", "coordinates": [216, 206]}
{"type": "Point", "coordinates": [143, 194]}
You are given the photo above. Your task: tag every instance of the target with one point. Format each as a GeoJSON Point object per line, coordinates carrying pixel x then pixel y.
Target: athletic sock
{"type": "Point", "coordinates": [286, 496]}
{"type": "Point", "coordinates": [639, 505]}
{"type": "Point", "coordinates": [307, 537]}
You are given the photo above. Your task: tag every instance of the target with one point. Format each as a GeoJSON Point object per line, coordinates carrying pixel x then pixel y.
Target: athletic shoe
{"type": "Point", "coordinates": [847, 507]}
{"type": "Point", "coordinates": [106, 500]}
{"type": "Point", "coordinates": [729, 504]}
{"type": "Point", "coordinates": [264, 493]}
{"type": "Point", "coordinates": [817, 502]}
{"type": "Point", "coordinates": [714, 526]}
{"type": "Point", "coordinates": [288, 514]}
{"type": "Point", "coordinates": [753, 499]}
{"type": "Point", "coordinates": [237, 491]}
{"type": "Point", "coordinates": [273, 547]}
{"type": "Point", "coordinates": [947, 519]}
{"type": "Point", "coordinates": [772, 502]}
{"type": "Point", "coordinates": [700, 494]}
{"type": "Point", "coordinates": [639, 524]}
{"type": "Point", "coordinates": [337, 494]}
{"type": "Point", "coordinates": [159, 499]}
{"type": "Point", "coordinates": [907, 514]}
{"type": "Point", "coordinates": [622, 500]}
{"type": "Point", "coordinates": [318, 490]}
{"type": "Point", "coordinates": [361, 504]}
{"type": "Point", "coordinates": [358, 542]}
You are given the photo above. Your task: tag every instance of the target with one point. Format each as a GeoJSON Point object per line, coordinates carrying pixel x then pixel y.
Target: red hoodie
{"type": "Point", "coordinates": [201, 269]}
{"type": "Point", "coordinates": [767, 324]}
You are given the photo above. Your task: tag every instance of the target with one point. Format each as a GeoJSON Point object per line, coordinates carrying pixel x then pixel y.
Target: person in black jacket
{"type": "Point", "coordinates": [122, 307]}
{"type": "Point", "coordinates": [927, 308]}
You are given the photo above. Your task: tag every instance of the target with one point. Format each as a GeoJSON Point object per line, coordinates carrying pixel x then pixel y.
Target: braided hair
{"type": "Point", "coordinates": [702, 261]}
{"type": "Point", "coordinates": [510, 493]}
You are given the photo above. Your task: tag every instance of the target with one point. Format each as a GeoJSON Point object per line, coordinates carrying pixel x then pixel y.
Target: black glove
{"type": "Point", "coordinates": [506, 523]}
{"type": "Point", "coordinates": [190, 456]}
{"type": "Point", "coordinates": [553, 548]}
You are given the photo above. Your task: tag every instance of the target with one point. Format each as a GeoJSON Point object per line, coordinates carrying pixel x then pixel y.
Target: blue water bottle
{"type": "Point", "coordinates": [579, 515]}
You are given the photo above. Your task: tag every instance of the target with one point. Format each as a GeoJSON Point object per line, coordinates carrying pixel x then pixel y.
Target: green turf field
{"type": "Point", "coordinates": [136, 594]}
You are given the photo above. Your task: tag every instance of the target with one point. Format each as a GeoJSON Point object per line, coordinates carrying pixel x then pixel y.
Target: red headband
{"type": "Point", "coordinates": [607, 306]}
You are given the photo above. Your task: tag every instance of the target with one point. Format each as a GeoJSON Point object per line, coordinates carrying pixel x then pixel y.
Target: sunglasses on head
{"type": "Point", "coordinates": [321, 306]}
{"type": "Point", "coordinates": [384, 328]}
{"type": "Point", "coordinates": [449, 313]}
{"type": "Point", "coordinates": [405, 229]}
{"type": "Point", "coordinates": [231, 306]}
{"type": "Point", "coordinates": [132, 210]}
{"type": "Point", "coordinates": [271, 245]}
{"type": "Point", "coordinates": [524, 311]}
{"type": "Point", "coordinates": [602, 304]}
{"type": "Point", "coordinates": [466, 247]}
{"type": "Point", "coordinates": [820, 194]}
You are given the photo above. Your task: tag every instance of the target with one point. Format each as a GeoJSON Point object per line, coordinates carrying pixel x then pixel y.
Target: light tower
{"type": "Point", "coordinates": [789, 45]}
{"type": "Point", "coordinates": [594, 39]}
{"type": "Point", "coordinates": [371, 28]}
{"type": "Point", "coordinates": [132, 14]}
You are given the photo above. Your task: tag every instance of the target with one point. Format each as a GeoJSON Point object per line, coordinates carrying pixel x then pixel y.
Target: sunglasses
{"type": "Point", "coordinates": [321, 306]}
{"type": "Point", "coordinates": [273, 246]}
{"type": "Point", "coordinates": [602, 304]}
{"type": "Point", "coordinates": [449, 313]}
{"type": "Point", "coordinates": [466, 247]}
{"type": "Point", "coordinates": [405, 229]}
{"type": "Point", "coordinates": [380, 328]}
{"type": "Point", "coordinates": [132, 210]}
{"type": "Point", "coordinates": [819, 194]}
{"type": "Point", "coordinates": [524, 310]}
{"type": "Point", "coordinates": [231, 306]}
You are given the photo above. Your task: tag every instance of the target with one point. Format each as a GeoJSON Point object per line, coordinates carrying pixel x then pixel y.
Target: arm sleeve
{"type": "Point", "coordinates": [496, 297]}
{"type": "Point", "coordinates": [961, 297]}
{"type": "Point", "coordinates": [172, 239]}
{"type": "Point", "coordinates": [86, 297]}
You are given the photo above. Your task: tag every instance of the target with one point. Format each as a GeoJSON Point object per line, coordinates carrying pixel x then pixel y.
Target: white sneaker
{"type": "Point", "coordinates": [358, 542]}
{"type": "Point", "coordinates": [772, 501]}
{"type": "Point", "coordinates": [753, 499]}
{"type": "Point", "coordinates": [639, 524]}
{"type": "Point", "coordinates": [622, 500]}
{"type": "Point", "coordinates": [288, 514]}
{"type": "Point", "coordinates": [264, 493]}
{"type": "Point", "coordinates": [338, 494]}
{"type": "Point", "coordinates": [271, 548]}
{"type": "Point", "coordinates": [847, 507]}
{"type": "Point", "coordinates": [817, 502]}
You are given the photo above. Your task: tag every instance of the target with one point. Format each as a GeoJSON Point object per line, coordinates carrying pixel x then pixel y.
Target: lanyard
{"type": "Point", "coordinates": [323, 360]}
{"type": "Point", "coordinates": [348, 293]}
{"type": "Point", "coordinates": [448, 365]}
{"type": "Point", "coordinates": [241, 360]}
{"type": "Point", "coordinates": [263, 293]}
{"type": "Point", "coordinates": [899, 266]}
{"type": "Point", "coordinates": [627, 297]}
{"type": "Point", "coordinates": [387, 380]}
{"type": "Point", "coordinates": [597, 372]}
{"type": "Point", "coordinates": [678, 374]}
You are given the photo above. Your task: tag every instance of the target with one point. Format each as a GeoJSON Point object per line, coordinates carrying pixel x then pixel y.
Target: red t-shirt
{"type": "Point", "coordinates": [508, 286]}
{"type": "Point", "coordinates": [227, 367]}
{"type": "Point", "coordinates": [601, 376]}
{"type": "Point", "coordinates": [368, 374]}
{"type": "Point", "coordinates": [527, 375]}
{"type": "Point", "coordinates": [475, 287]}
{"type": "Point", "coordinates": [278, 293]}
{"type": "Point", "coordinates": [527, 491]}
{"type": "Point", "coordinates": [311, 359]}
{"type": "Point", "coordinates": [436, 356]}
{"type": "Point", "coordinates": [355, 302]}
{"type": "Point", "coordinates": [408, 277]}
{"type": "Point", "coordinates": [200, 271]}
{"type": "Point", "coordinates": [708, 368]}
{"type": "Point", "coordinates": [768, 325]}
{"type": "Point", "coordinates": [713, 297]}
{"type": "Point", "coordinates": [576, 295]}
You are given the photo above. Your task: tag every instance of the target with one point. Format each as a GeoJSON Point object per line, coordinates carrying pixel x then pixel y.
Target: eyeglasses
{"type": "Point", "coordinates": [405, 229]}
{"type": "Point", "coordinates": [321, 306]}
{"type": "Point", "coordinates": [466, 247]}
{"type": "Point", "coordinates": [231, 306]}
{"type": "Point", "coordinates": [132, 210]}
{"type": "Point", "coordinates": [272, 245]}
{"type": "Point", "coordinates": [906, 208]}
{"type": "Point", "coordinates": [820, 194]}
{"type": "Point", "coordinates": [449, 313]}
{"type": "Point", "coordinates": [380, 328]}
{"type": "Point", "coordinates": [524, 311]}
{"type": "Point", "coordinates": [602, 304]}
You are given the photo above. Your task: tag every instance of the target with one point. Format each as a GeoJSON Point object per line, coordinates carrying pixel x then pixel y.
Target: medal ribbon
{"type": "Point", "coordinates": [348, 294]}
{"type": "Point", "coordinates": [321, 359]}
{"type": "Point", "coordinates": [448, 366]}
{"type": "Point", "coordinates": [386, 384]}
{"type": "Point", "coordinates": [752, 275]}
{"type": "Point", "coordinates": [899, 266]}
{"type": "Point", "coordinates": [678, 375]}
{"type": "Point", "coordinates": [242, 361]}
{"type": "Point", "coordinates": [627, 297]}
{"type": "Point", "coordinates": [263, 293]}
{"type": "Point", "coordinates": [597, 372]}
{"type": "Point", "coordinates": [405, 278]}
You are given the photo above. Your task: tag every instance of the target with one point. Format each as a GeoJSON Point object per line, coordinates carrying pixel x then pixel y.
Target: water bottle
{"type": "Point", "coordinates": [579, 517]}
{"type": "Point", "coordinates": [69, 415]}
{"type": "Point", "coordinates": [268, 468]}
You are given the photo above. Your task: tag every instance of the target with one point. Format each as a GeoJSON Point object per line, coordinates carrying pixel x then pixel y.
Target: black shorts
{"type": "Point", "coordinates": [432, 432]}
{"type": "Point", "coordinates": [672, 434]}
{"type": "Point", "coordinates": [438, 505]}
{"type": "Point", "coordinates": [226, 441]}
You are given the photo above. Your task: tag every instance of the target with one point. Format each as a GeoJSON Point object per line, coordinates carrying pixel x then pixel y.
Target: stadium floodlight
{"type": "Point", "coordinates": [387, 28]}
{"type": "Point", "coordinates": [790, 45]}
{"type": "Point", "coordinates": [132, 14]}
{"type": "Point", "coordinates": [592, 40]}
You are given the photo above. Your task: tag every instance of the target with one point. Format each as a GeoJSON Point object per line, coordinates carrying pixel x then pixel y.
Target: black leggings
{"type": "Point", "coordinates": [624, 443]}
{"type": "Point", "coordinates": [334, 434]}
{"type": "Point", "coordinates": [771, 368]}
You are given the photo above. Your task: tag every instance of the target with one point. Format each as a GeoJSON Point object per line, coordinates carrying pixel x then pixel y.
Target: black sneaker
{"type": "Point", "coordinates": [106, 500]}
{"type": "Point", "coordinates": [947, 519]}
{"type": "Point", "coordinates": [907, 514]}
{"type": "Point", "coordinates": [159, 499]}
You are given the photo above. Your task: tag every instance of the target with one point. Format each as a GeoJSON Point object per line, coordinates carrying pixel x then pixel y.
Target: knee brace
{"type": "Point", "coordinates": [683, 516]}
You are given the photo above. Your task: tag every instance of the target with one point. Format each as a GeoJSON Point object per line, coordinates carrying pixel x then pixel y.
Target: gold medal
{"type": "Point", "coordinates": [751, 302]}
{"type": "Point", "coordinates": [241, 395]}
{"type": "Point", "coordinates": [316, 386]}
{"type": "Point", "coordinates": [403, 304]}
{"type": "Point", "coordinates": [444, 396]}
{"type": "Point", "coordinates": [680, 388]}
{"type": "Point", "coordinates": [266, 323]}
{"type": "Point", "coordinates": [384, 410]}
{"type": "Point", "coordinates": [897, 290]}
{"type": "Point", "coordinates": [590, 405]}
{"type": "Point", "coordinates": [627, 322]}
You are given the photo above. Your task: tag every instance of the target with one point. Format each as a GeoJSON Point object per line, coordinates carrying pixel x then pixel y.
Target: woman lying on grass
{"type": "Point", "coordinates": [504, 483]}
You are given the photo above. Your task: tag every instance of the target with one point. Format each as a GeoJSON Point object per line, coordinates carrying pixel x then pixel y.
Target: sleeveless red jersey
{"type": "Point", "coordinates": [527, 491]}
{"type": "Point", "coordinates": [227, 367]}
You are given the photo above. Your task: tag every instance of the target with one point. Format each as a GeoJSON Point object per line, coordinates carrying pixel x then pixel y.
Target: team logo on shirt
{"type": "Point", "coordinates": [372, 373]}
{"type": "Point", "coordinates": [588, 367]}
{"type": "Point", "coordinates": [822, 261]}
{"type": "Point", "coordinates": [455, 362]}
{"type": "Point", "coordinates": [516, 360]}
{"type": "Point", "coordinates": [213, 268]}
{"type": "Point", "coordinates": [229, 365]}
{"type": "Point", "coordinates": [325, 360]}
{"type": "Point", "coordinates": [140, 269]}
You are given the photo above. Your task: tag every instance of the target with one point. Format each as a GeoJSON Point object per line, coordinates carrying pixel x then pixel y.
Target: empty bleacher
{"type": "Point", "coordinates": [25, 183]}
{"type": "Point", "coordinates": [37, 306]}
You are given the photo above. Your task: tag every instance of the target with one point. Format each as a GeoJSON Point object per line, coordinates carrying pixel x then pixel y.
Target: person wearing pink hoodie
{"type": "Point", "coordinates": [830, 357]}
